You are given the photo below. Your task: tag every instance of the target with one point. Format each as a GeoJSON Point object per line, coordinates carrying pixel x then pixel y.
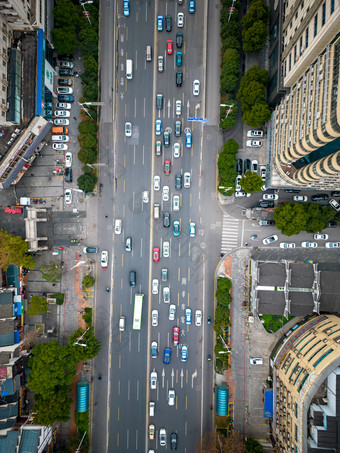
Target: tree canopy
{"type": "Point", "coordinates": [14, 250]}
{"type": "Point", "coordinates": [254, 23]}
{"type": "Point", "coordinates": [37, 306]}
{"type": "Point", "coordinates": [226, 166]}
{"type": "Point", "coordinates": [89, 351]}
{"type": "Point", "coordinates": [87, 183]}
{"type": "Point", "coordinates": [251, 182]}
{"type": "Point", "coordinates": [51, 272]}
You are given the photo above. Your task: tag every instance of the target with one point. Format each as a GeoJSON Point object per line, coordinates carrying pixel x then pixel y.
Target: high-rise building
{"type": "Point", "coordinates": [304, 132]}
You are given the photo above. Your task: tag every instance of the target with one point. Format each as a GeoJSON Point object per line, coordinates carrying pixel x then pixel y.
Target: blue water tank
{"type": "Point", "coordinates": [222, 400]}
{"type": "Point", "coordinates": [82, 396]}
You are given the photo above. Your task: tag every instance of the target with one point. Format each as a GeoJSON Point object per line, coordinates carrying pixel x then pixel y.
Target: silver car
{"type": "Point", "coordinates": [166, 294]}
{"type": "Point", "coordinates": [172, 312]}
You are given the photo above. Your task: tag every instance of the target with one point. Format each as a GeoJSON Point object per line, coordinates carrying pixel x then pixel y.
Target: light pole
{"type": "Point", "coordinates": [86, 13]}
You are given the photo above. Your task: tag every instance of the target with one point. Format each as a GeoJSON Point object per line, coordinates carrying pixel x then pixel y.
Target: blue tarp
{"type": "Point", "coordinates": [40, 73]}
{"type": "Point", "coordinates": [17, 308]}
{"type": "Point", "coordinates": [268, 403]}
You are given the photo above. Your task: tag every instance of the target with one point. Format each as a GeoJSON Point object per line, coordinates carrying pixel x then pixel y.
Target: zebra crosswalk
{"type": "Point", "coordinates": [230, 233]}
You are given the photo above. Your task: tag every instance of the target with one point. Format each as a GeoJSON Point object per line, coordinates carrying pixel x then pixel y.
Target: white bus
{"type": "Point", "coordinates": [137, 312]}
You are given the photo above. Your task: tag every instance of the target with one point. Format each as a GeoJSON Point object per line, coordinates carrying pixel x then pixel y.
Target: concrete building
{"type": "Point", "coordinates": [306, 386]}
{"type": "Point", "coordinates": [304, 131]}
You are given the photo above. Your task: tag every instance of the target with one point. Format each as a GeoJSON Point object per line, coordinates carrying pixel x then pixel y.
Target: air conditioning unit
{"type": "Point", "coordinates": [325, 340]}
{"type": "Point", "coordinates": [320, 77]}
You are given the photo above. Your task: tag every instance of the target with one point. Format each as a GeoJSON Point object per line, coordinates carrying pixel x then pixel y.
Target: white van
{"type": "Point", "coordinates": [129, 69]}
{"type": "Point", "coordinates": [60, 138]}
{"type": "Point", "coordinates": [152, 409]}
{"type": "Point", "coordinates": [122, 323]}
{"type": "Point", "coordinates": [156, 211]}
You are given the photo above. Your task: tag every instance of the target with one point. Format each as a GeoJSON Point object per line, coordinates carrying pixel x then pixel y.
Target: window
{"type": "Point", "coordinates": [301, 45]}
{"type": "Point", "coordinates": [306, 37]}
{"type": "Point", "coordinates": [290, 61]}
{"type": "Point", "coordinates": [295, 53]}
{"type": "Point", "coordinates": [285, 70]}
{"type": "Point", "coordinates": [302, 5]}
{"type": "Point", "coordinates": [315, 25]}
{"type": "Point", "coordinates": [296, 14]}
{"type": "Point", "coordinates": [323, 14]}
{"type": "Point", "coordinates": [332, 6]}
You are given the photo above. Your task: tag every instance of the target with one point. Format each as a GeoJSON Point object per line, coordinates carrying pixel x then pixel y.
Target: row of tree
{"type": "Point", "coordinates": [222, 321]}
{"type": "Point", "coordinates": [230, 70]}
{"type": "Point", "coordinates": [255, 26]}
{"type": "Point", "coordinates": [226, 167]}
{"type": "Point", "coordinates": [53, 368]}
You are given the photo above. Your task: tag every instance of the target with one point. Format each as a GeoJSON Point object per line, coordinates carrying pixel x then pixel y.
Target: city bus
{"type": "Point", "coordinates": [137, 312]}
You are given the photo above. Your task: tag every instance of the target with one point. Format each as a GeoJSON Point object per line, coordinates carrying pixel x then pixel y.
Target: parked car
{"type": "Point", "coordinates": [239, 166]}
{"type": "Point", "coordinates": [270, 239]}
{"type": "Point", "coordinates": [254, 165]}
{"type": "Point", "coordinates": [68, 159]}
{"type": "Point", "coordinates": [335, 205]}
{"type": "Point", "coordinates": [255, 134]}
{"type": "Point", "coordinates": [65, 98]}
{"type": "Point", "coordinates": [61, 122]}
{"type": "Point", "coordinates": [256, 361]}
{"type": "Point", "coordinates": [266, 222]}
{"type": "Point", "coordinates": [300, 198]}
{"type": "Point", "coordinates": [270, 196]}
{"type": "Point", "coordinates": [66, 64]}
{"type": "Point", "coordinates": [254, 143]}
{"type": "Point", "coordinates": [332, 245]}
{"type": "Point", "coordinates": [287, 245]}
{"type": "Point", "coordinates": [307, 244]}
{"type": "Point", "coordinates": [64, 90]}
{"type": "Point", "coordinates": [62, 113]}
{"type": "Point", "coordinates": [64, 82]}
{"type": "Point", "coordinates": [319, 197]}
{"type": "Point", "coordinates": [320, 236]}
{"type": "Point", "coordinates": [63, 106]}
{"type": "Point", "coordinates": [266, 204]}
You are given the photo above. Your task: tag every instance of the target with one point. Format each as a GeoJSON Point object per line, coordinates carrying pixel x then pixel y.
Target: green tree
{"type": "Point", "coordinates": [51, 272]}
{"type": "Point", "coordinates": [90, 91]}
{"type": "Point", "coordinates": [55, 408]}
{"type": "Point", "coordinates": [82, 421]}
{"type": "Point", "coordinates": [87, 183]}
{"type": "Point", "coordinates": [88, 281]}
{"type": "Point", "coordinates": [253, 446]}
{"type": "Point", "coordinates": [93, 346]}
{"type": "Point", "coordinates": [64, 40]}
{"type": "Point", "coordinates": [230, 42]}
{"type": "Point", "coordinates": [87, 155]}
{"type": "Point", "coordinates": [228, 83]}
{"type": "Point", "coordinates": [52, 368]}
{"type": "Point", "coordinates": [66, 14]}
{"type": "Point", "coordinates": [251, 182]}
{"type": "Point", "coordinates": [255, 37]}
{"type": "Point", "coordinates": [229, 121]}
{"type": "Point", "coordinates": [87, 127]}
{"type": "Point", "coordinates": [259, 114]}
{"type": "Point", "coordinates": [37, 306]}
{"type": "Point", "coordinates": [87, 140]}
{"type": "Point", "coordinates": [91, 65]}
{"type": "Point", "coordinates": [14, 250]}
{"type": "Point", "coordinates": [291, 218]}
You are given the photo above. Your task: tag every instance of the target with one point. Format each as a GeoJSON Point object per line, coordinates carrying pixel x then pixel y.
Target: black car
{"type": "Point", "coordinates": [66, 72]}
{"type": "Point", "coordinates": [247, 165]}
{"type": "Point", "coordinates": [65, 98]}
{"type": "Point", "coordinates": [266, 204]}
{"type": "Point", "coordinates": [320, 197]}
{"type": "Point", "coordinates": [179, 40]}
{"type": "Point", "coordinates": [336, 193]}
{"type": "Point", "coordinates": [179, 78]}
{"type": "Point", "coordinates": [159, 101]}
{"type": "Point", "coordinates": [173, 441]}
{"type": "Point", "coordinates": [239, 166]}
{"type": "Point", "coordinates": [178, 128]}
{"type": "Point", "coordinates": [166, 219]}
{"type": "Point", "coordinates": [132, 278]}
{"type": "Point", "coordinates": [166, 138]}
{"type": "Point", "coordinates": [178, 181]}
{"type": "Point", "coordinates": [332, 224]}
{"type": "Point", "coordinates": [66, 57]}
{"type": "Point", "coordinates": [168, 23]}
{"type": "Point", "coordinates": [68, 174]}
{"type": "Point", "coordinates": [64, 82]}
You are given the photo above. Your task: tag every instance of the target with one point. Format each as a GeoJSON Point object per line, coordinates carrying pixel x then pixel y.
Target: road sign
{"type": "Point", "coordinates": [197, 119]}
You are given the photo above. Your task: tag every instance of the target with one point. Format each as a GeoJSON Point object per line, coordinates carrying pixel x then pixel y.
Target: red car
{"type": "Point", "coordinates": [175, 332]}
{"type": "Point", "coordinates": [169, 47]}
{"type": "Point", "coordinates": [155, 255]}
{"type": "Point", "coordinates": [167, 167]}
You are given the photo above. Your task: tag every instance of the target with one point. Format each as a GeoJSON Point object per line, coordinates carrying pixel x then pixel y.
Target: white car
{"type": "Point", "coordinates": [171, 397]}
{"type": "Point", "coordinates": [270, 196]}
{"type": "Point", "coordinates": [162, 437]}
{"type": "Point", "coordinates": [104, 259]}
{"type": "Point", "coordinates": [64, 106]}
{"type": "Point", "coordinates": [118, 226]}
{"type": "Point", "coordinates": [332, 245]}
{"type": "Point", "coordinates": [287, 245]}
{"type": "Point", "coordinates": [165, 193]}
{"type": "Point", "coordinates": [240, 194]}
{"type": "Point", "coordinates": [270, 239]}
{"type": "Point", "coordinates": [180, 20]}
{"type": "Point", "coordinates": [166, 294]}
{"type": "Point", "coordinates": [300, 198]}
{"type": "Point", "coordinates": [153, 380]}
{"type": "Point", "coordinates": [254, 143]}
{"type": "Point", "coordinates": [62, 113]}
{"type": "Point", "coordinates": [172, 312]}
{"type": "Point", "coordinates": [254, 166]}
{"type": "Point", "coordinates": [198, 318]}
{"type": "Point", "coordinates": [178, 107]}
{"type": "Point", "coordinates": [61, 121]}
{"type": "Point", "coordinates": [128, 129]}
{"type": "Point", "coordinates": [160, 63]}
{"type": "Point", "coordinates": [64, 90]}
{"type": "Point", "coordinates": [146, 196]}
{"type": "Point", "coordinates": [154, 318]}
{"type": "Point", "coordinates": [319, 236]}
{"type": "Point", "coordinates": [255, 134]}
{"type": "Point", "coordinates": [187, 179]}
{"type": "Point", "coordinates": [192, 229]}
{"type": "Point", "coordinates": [175, 203]}
{"type": "Point", "coordinates": [238, 186]}
{"type": "Point", "coordinates": [60, 146]}
{"type": "Point", "coordinates": [307, 244]}
{"type": "Point", "coordinates": [156, 182]}
{"type": "Point", "coordinates": [256, 361]}
{"type": "Point", "coordinates": [177, 149]}
{"type": "Point", "coordinates": [196, 88]}
{"type": "Point", "coordinates": [68, 197]}
{"type": "Point", "coordinates": [68, 159]}
{"type": "Point", "coordinates": [166, 249]}
{"type": "Point", "coordinates": [155, 286]}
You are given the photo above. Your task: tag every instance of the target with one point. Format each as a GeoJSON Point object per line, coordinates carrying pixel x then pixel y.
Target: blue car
{"type": "Point", "coordinates": [188, 141]}
{"type": "Point", "coordinates": [167, 356]}
{"type": "Point", "coordinates": [191, 6]}
{"type": "Point", "coordinates": [160, 22]}
{"type": "Point", "coordinates": [65, 98]}
{"type": "Point", "coordinates": [176, 228]}
{"type": "Point", "coordinates": [158, 127]}
{"type": "Point", "coordinates": [188, 316]}
{"type": "Point", "coordinates": [126, 8]}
